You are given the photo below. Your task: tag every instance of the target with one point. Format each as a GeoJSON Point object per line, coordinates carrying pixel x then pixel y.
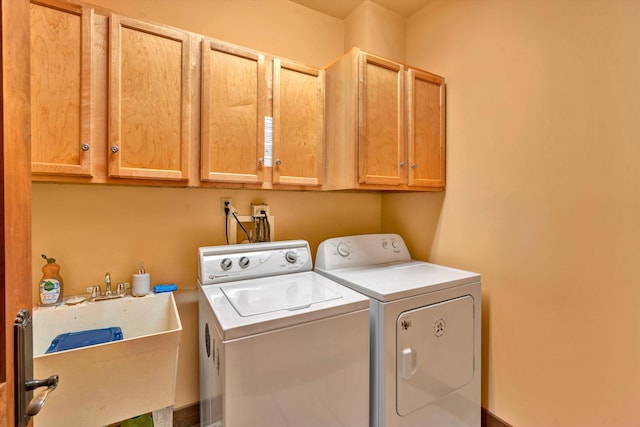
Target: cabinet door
{"type": "Point", "coordinates": [150, 95]}
{"type": "Point", "coordinates": [298, 124]}
{"type": "Point", "coordinates": [233, 110]}
{"type": "Point", "coordinates": [381, 146]}
{"type": "Point", "coordinates": [426, 129]}
{"type": "Point", "coordinates": [61, 88]}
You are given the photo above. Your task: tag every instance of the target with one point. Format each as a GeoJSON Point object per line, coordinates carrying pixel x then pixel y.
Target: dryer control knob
{"type": "Point", "coordinates": [243, 262]}
{"type": "Point", "coordinates": [291, 257]}
{"type": "Point", "coordinates": [342, 250]}
{"type": "Point", "coordinates": [226, 264]}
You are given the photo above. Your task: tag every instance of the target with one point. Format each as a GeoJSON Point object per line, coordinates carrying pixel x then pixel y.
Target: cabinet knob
{"type": "Point", "coordinates": [278, 162]}
{"type": "Point", "coordinates": [261, 161]}
{"type": "Point", "coordinates": [115, 148]}
{"type": "Point", "coordinates": [403, 164]}
{"type": "Point", "coordinates": [413, 165]}
{"type": "Point", "coordinates": [85, 147]}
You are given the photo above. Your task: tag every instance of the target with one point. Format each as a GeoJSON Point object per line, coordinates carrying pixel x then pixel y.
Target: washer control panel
{"type": "Point", "coordinates": [217, 264]}
{"type": "Point", "coordinates": [366, 249]}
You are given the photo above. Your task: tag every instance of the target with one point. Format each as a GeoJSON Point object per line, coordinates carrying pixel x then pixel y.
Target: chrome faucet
{"type": "Point", "coordinates": [96, 295]}
{"type": "Point", "coordinates": [107, 281]}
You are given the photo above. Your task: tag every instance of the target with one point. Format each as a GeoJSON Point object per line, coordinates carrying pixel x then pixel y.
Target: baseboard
{"type": "Point", "coordinates": [487, 419]}
{"type": "Point", "coordinates": [187, 416]}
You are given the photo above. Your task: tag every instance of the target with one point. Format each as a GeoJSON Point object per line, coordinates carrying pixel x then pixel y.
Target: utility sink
{"type": "Point", "coordinates": [106, 383]}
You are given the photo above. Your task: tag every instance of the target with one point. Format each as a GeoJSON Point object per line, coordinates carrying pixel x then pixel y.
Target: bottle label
{"type": "Point", "coordinates": [49, 291]}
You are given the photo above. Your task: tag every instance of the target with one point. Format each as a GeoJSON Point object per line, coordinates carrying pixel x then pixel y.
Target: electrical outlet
{"type": "Point", "coordinates": [225, 202]}
{"type": "Point", "coordinates": [256, 210]}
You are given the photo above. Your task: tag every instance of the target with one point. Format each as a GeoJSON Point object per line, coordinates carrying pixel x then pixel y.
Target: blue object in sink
{"type": "Point", "coordinates": [72, 340]}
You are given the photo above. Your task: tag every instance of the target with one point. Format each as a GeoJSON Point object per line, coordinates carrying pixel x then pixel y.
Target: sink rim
{"type": "Point", "coordinates": [128, 313]}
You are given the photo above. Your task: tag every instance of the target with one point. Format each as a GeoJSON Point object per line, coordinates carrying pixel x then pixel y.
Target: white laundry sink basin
{"type": "Point", "coordinates": [106, 383]}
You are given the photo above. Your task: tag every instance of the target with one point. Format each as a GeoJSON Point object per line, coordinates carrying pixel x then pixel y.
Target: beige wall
{"type": "Point", "coordinates": [279, 27]}
{"type": "Point", "coordinates": [377, 30]}
{"type": "Point", "coordinates": [543, 198]}
{"type": "Point", "coordinates": [92, 229]}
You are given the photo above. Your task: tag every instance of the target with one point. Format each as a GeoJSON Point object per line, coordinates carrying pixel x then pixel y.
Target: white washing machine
{"type": "Point", "coordinates": [279, 344]}
{"type": "Point", "coordinates": [425, 331]}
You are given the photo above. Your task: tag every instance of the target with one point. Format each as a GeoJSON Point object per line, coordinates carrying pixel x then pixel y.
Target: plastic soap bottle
{"type": "Point", "coordinates": [51, 283]}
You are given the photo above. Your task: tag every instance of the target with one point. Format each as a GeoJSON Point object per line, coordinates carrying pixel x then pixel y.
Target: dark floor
{"type": "Point", "coordinates": [490, 420]}
{"type": "Point", "coordinates": [183, 417]}
{"type": "Point", "coordinates": [190, 417]}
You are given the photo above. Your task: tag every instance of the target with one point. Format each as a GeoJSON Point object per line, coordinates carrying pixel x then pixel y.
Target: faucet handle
{"type": "Point", "coordinates": [94, 291]}
{"type": "Point", "coordinates": [122, 288]}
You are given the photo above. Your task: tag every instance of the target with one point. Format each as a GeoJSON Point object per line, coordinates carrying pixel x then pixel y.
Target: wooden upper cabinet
{"type": "Point", "coordinates": [298, 124]}
{"type": "Point", "coordinates": [150, 100]}
{"type": "Point", "coordinates": [61, 88]}
{"type": "Point", "coordinates": [233, 108]}
{"type": "Point", "coordinates": [112, 100]}
{"type": "Point", "coordinates": [384, 125]}
{"type": "Point", "coordinates": [426, 129]}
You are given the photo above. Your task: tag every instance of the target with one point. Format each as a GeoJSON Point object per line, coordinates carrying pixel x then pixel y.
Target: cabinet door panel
{"type": "Point", "coordinates": [233, 110]}
{"type": "Point", "coordinates": [426, 129]}
{"type": "Point", "coordinates": [298, 131]}
{"type": "Point", "coordinates": [381, 148]}
{"type": "Point", "coordinates": [61, 91]}
{"type": "Point", "coordinates": [150, 101]}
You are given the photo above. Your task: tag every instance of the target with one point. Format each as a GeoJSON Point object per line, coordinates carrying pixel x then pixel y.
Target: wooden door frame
{"type": "Point", "coordinates": [15, 264]}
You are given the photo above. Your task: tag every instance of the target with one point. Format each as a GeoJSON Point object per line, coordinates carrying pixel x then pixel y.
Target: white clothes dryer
{"type": "Point", "coordinates": [279, 344]}
{"type": "Point", "coordinates": [425, 331]}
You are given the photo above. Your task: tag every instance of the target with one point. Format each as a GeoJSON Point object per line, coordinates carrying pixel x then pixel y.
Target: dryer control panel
{"type": "Point", "coordinates": [217, 264]}
{"type": "Point", "coordinates": [361, 250]}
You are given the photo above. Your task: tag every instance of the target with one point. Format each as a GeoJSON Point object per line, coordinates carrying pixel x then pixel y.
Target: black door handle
{"type": "Point", "coordinates": [33, 408]}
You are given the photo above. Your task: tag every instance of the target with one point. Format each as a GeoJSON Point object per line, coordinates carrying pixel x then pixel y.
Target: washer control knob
{"type": "Point", "coordinates": [291, 257]}
{"type": "Point", "coordinates": [342, 250]}
{"type": "Point", "coordinates": [243, 262]}
{"type": "Point", "coordinates": [394, 244]}
{"type": "Point", "coordinates": [226, 264]}
{"type": "Point", "coordinates": [385, 244]}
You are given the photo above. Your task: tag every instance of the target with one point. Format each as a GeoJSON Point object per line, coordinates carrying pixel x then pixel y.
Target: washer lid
{"type": "Point", "coordinates": [283, 301]}
{"type": "Point", "coordinates": [286, 292]}
{"type": "Point", "coordinates": [389, 282]}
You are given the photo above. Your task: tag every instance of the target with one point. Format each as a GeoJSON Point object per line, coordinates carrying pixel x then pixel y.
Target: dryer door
{"type": "Point", "coordinates": [434, 353]}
